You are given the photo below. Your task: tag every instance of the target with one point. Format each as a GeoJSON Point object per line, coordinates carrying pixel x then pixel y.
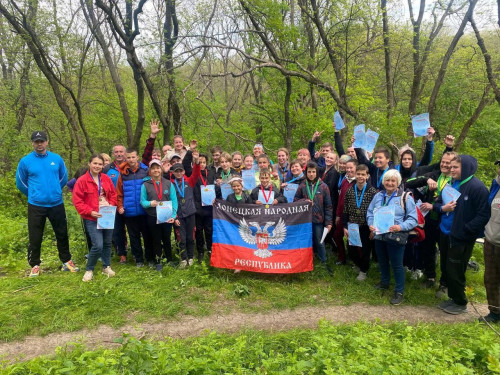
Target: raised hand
{"type": "Point", "coordinates": [449, 141]}
{"type": "Point", "coordinates": [193, 144]}
{"type": "Point", "coordinates": [316, 135]}
{"type": "Point", "coordinates": [430, 133]}
{"type": "Point", "coordinates": [155, 127]}
{"type": "Point", "coordinates": [196, 157]}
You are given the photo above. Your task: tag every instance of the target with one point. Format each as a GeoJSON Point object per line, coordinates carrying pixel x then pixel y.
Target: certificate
{"type": "Point", "coordinates": [383, 219]}
{"type": "Point", "coordinates": [262, 199]}
{"type": "Point", "coordinates": [354, 237]}
{"type": "Point", "coordinates": [359, 136]}
{"type": "Point", "coordinates": [163, 212]}
{"type": "Point", "coordinates": [339, 123]}
{"type": "Point", "coordinates": [207, 195]}
{"type": "Point", "coordinates": [449, 194]}
{"type": "Point", "coordinates": [371, 139]}
{"type": "Point", "coordinates": [225, 190]}
{"type": "Point", "coordinates": [419, 204]}
{"type": "Point", "coordinates": [107, 221]}
{"type": "Point", "coordinates": [420, 124]}
{"type": "Point", "coordinates": [289, 191]}
{"type": "Point", "coordinates": [248, 176]}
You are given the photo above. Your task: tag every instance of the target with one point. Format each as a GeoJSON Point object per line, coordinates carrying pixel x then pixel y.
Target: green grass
{"type": "Point", "coordinates": [58, 301]}
{"type": "Point", "coordinates": [330, 349]}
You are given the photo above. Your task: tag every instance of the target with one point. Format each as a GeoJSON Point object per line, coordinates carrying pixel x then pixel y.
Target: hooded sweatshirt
{"type": "Point", "coordinates": [467, 221]}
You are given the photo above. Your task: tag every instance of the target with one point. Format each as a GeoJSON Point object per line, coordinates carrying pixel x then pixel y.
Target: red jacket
{"type": "Point", "coordinates": [86, 194]}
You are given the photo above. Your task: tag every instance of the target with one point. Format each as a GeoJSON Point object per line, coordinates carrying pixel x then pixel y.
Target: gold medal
{"type": "Point", "coordinates": [267, 206]}
{"type": "Point", "coordinates": [161, 203]}
{"type": "Point", "coordinates": [183, 201]}
{"type": "Point", "coordinates": [206, 189]}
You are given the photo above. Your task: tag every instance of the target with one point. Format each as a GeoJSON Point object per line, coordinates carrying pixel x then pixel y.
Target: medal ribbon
{"type": "Point", "coordinates": [226, 176]}
{"type": "Point", "coordinates": [296, 178]}
{"type": "Point", "coordinates": [183, 187]}
{"type": "Point", "coordinates": [341, 179]}
{"type": "Point", "coordinates": [379, 180]}
{"type": "Point", "coordinates": [442, 182]}
{"type": "Point", "coordinates": [204, 182]}
{"type": "Point", "coordinates": [392, 196]}
{"type": "Point", "coordinates": [99, 181]}
{"type": "Point", "coordinates": [266, 199]}
{"type": "Point", "coordinates": [158, 192]}
{"type": "Point", "coordinates": [311, 196]}
{"type": "Point", "coordinates": [358, 202]}
{"type": "Point", "coordinates": [285, 170]}
{"type": "Point", "coordinates": [464, 181]}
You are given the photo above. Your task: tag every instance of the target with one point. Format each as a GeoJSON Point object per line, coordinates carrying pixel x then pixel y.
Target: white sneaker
{"type": "Point", "coordinates": [190, 262]}
{"type": "Point", "coordinates": [183, 264]}
{"type": "Point", "coordinates": [88, 276]}
{"type": "Point", "coordinates": [361, 276]}
{"type": "Point", "coordinates": [108, 271]}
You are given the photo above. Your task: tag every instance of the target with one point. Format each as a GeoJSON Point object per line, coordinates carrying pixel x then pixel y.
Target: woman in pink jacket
{"type": "Point", "coordinates": [92, 191]}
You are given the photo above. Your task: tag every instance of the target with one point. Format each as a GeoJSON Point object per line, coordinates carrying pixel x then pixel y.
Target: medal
{"type": "Point", "coordinates": [207, 189]}
{"type": "Point", "coordinates": [266, 199]}
{"type": "Point", "coordinates": [183, 201]}
{"type": "Point", "coordinates": [161, 203]}
{"type": "Point", "coordinates": [179, 190]}
{"type": "Point", "coordinates": [267, 206]}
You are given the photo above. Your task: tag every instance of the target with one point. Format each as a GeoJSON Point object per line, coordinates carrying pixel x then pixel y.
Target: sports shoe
{"type": "Point", "coordinates": [442, 292]}
{"type": "Point", "coordinates": [183, 264]}
{"type": "Point", "coordinates": [158, 267]}
{"type": "Point", "coordinates": [200, 257]}
{"type": "Point", "coordinates": [69, 266]}
{"type": "Point", "coordinates": [35, 271]}
{"type": "Point", "coordinates": [139, 264]}
{"type": "Point", "coordinates": [490, 318]}
{"type": "Point", "coordinates": [397, 299]}
{"type": "Point", "coordinates": [361, 276]}
{"type": "Point", "coordinates": [443, 305]}
{"type": "Point", "coordinates": [123, 259]}
{"type": "Point", "coordinates": [88, 276]}
{"type": "Point", "coordinates": [455, 309]}
{"type": "Point", "coordinates": [381, 286]}
{"type": "Point", "coordinates": [108, 271]}
{"type": "Point", "coordinates": [190, 262]}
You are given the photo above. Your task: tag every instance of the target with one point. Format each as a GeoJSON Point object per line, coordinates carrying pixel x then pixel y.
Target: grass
{"type": "Point", "coordinates": [367, 348]}
{"type": "Point", "coordinates": [58, 301]}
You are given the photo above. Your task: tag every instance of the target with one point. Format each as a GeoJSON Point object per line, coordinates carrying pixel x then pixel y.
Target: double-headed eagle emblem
{"type": "Point", "coordinates": [262, 237]}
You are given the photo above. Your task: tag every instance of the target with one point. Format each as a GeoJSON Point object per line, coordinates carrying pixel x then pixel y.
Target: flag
{"type": "Point", "coordinates": [251, 237]}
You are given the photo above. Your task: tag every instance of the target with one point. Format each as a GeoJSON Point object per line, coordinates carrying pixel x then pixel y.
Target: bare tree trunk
{"type": "Point", "coordinates": [288, 124]}
{"type": "Point", "coordinates": [387, 62]}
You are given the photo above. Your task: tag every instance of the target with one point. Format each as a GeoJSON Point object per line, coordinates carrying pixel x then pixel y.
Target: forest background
{"type": "Point", "coordinates": [234, 72]}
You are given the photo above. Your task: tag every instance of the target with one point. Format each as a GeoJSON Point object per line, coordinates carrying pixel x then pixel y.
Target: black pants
{"type": "Point", "coordinates": [137, 226]}
{"type": "Point", "coordinates": [428, 249]}
{"type": "Point", "coordinates": [412, 257]}
{"type": "Point", "coordinates": [186, 230]}
{"type": "Point", "coordinates": [119, 235]}
{"type": "Point", "coordinates": [361, 255]}
{"type": "Point", "coordinates": [204, 229]}
{"type": "Point", "coordinates": [160, 235]}
{"type": "Point", "coordinates": [37, 217]}
{"type": "Point", "coordinates": [458, 255]}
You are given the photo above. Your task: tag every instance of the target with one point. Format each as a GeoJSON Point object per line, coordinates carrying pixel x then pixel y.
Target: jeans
{"type": "Point", "coordinates": [37, 216]}
{"type": "Point", "coordinates": [101, 245]}
{"type": "Point", "coordinates": [388, 252]}
{"type": "Point", "coordinates": [160, 234]}
{"type": "Point", "coordinates": [319, 248]}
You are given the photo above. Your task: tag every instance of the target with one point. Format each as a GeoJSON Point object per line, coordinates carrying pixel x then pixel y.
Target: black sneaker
{"type": "Point", "coordinates": [490, 318]}
{"type": "Point", "coordinates": [455, 309]}
{"type": "Point", "coordinates": [443, 305]}
{"type": "Point", "coordinates": [397, 299]}
{"type": "Point", "coordinates": [381, 286]}
{"type": "Point", "coordinates": [200, 257]}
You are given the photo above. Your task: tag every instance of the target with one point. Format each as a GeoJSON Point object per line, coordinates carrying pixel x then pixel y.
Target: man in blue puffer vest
{"type": "Point", "coordinates": [128, 189]}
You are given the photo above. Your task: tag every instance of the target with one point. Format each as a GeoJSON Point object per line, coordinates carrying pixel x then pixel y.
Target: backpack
{"type": "Point", "coordinates": [417, 234]}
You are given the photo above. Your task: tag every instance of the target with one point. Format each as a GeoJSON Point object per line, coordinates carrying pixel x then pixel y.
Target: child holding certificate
{"type": "Point", "coordinates": [397, 222]}
{"type": "Point", "coordinates": [239, 196]}
{"type": "Point", "coordinates": [157, 191]}
{"type": "Point", "coordinates": [92, 191]}
{"type": "Point", "coordinates": [356, 202]}
{"type": "Point", "coordinates": [266, 193]}
{"type": "Point", "coordinates": [316, 191]}
{"type": "Point", "coordinates": [292, 183]}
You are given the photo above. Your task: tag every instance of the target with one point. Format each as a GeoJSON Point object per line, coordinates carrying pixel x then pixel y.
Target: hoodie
{"type": "Point", "coordinates": [467, 221]}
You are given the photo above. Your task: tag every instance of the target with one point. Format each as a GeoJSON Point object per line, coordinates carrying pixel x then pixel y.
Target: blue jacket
{"type": "Point", "coordinates": [41, 178]}
{"type": "Point", "coordinates": [112, 171]}
{"type": "Point", "coordinates": [129, 190]}
{"type": "Point", "coordinates": [472, 211]}
{"type": "Point", "coordinates": [407, 220]}
{"type": "Point", "coordinates": [493, 191]}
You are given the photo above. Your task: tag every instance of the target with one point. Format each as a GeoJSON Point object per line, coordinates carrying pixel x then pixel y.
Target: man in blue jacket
{"type": "Point", "coordinates": [462, 222]}
{"type": "Point", "coordinates": [40, 176]}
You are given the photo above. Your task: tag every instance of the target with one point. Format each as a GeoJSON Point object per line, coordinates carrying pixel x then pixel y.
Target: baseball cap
{"type": "Point", "coordinates": [38, 136]}
{"type": "Point", "coordinates": [177, 166]}
{"type": "Point", "coordinates": [174, 156]}
{"type": "Point", "coordinates": [154, 161]}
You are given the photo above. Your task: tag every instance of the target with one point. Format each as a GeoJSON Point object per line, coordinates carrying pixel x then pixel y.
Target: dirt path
{"type": "Point", "coordinates": [188, 326]}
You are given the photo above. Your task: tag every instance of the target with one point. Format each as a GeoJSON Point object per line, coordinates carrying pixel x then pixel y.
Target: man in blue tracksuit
{"type": "Point", "coordinates": [461, 223]}
{"type": "Point", "coordinates": [40, 176]}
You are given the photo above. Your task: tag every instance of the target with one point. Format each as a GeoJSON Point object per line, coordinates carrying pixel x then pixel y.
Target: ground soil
{"type": "Point", "coordinates": [188, 326]}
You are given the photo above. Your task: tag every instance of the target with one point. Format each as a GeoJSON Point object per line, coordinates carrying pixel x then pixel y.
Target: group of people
{"type": "Point", "coordinates": [344, 187]}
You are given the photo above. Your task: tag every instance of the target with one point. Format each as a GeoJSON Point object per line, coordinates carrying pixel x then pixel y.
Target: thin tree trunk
{"type": "Point", "coordinates": [387, 60]}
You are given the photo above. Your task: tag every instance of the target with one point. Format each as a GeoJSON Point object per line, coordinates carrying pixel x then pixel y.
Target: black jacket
{"type": "Point", "coordinates": [245, 198]}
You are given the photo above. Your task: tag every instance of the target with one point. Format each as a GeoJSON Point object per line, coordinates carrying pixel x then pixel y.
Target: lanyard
{"type": "Point", "coordinates": [224, 177]}
{"type": "Point", "coordinates": [358, 202]}
{"type": "Point", "coordinates": [183, 187]}
{"type": "Point", "coordinates": [116, 165]}
{"type": "Point", "coordinates": [311, 196]}
{"type": "Point", "coordinates": [341, 179]}
{"type": "Point", "coordinates": [99, 181]}
{"type": "Point", "coordinates": [204, 182]}
{"type": "Point", "coordinates": [296, 178]}
{"type": "Point", "coordinates": [383, 198]}
{"type": "Point", "coordinates": [158, 192]}
{"type": "Point", "coordinates": [464, 181]}
{"type": "Point", "coordinates": [285, 170]}
{"type": "Point", "coordinates": [266, 199]}
{"type": "Point", "coordinates": [379, 181]}
{"type": "Point", "coordinates": [442, 182]}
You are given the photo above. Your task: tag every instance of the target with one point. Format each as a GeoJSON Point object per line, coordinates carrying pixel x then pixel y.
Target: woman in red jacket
{"type": "Point", "coordinates": [92, 191]}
